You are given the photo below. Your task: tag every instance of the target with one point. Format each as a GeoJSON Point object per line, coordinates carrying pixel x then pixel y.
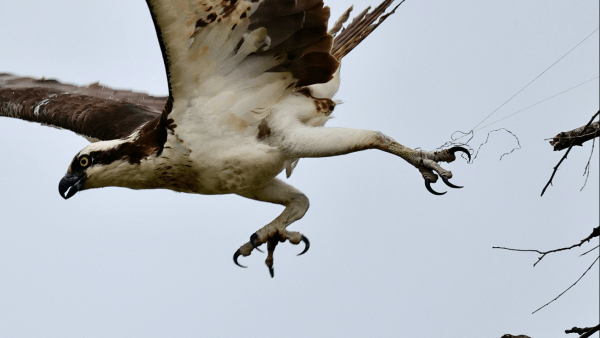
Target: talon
{"type": "Point", "coordinates": [428, 186]}
{"type": "Point", "coordinates": [453, 150]}
{"type": "Point", "coordinates": [448, 183]}
{"type": "Point", "coordinates": [271, 245]}
{"type": "Point", "coordinates": [253, 239]}
{"type": "Point", "coordinates": [307, 243]}
{"type": "Point", "coordinates": [237, 255]}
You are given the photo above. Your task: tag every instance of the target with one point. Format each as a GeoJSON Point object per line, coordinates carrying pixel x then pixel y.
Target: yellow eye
{"type": "Point", "coordinates": [84, 161]}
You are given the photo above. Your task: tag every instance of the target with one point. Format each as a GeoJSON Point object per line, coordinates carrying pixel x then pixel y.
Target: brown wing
{"type": "Point", "coordinates": [94, 111]}
{"type": "Point", "coordinates": [297, 28]}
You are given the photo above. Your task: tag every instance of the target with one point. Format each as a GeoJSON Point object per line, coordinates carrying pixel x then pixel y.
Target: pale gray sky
{"type": "Point", "coordinates": [387, 258]}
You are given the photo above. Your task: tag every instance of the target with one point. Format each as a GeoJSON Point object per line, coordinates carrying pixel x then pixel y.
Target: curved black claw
{"type": "Point", "coordinates": [272, 271]}
{"type": "Point", "coordinates": [453, 150]}
{"type": "Point", "coordinates": [237, 255]}
{"type": "Point", "coordinates": [428, 186]}
{"type": "Point", "coordinates": [307, 243]}
{"type": "Point", "coordinates": [448, 183]}
{"type": "Point", "coordinates": [253, 239]}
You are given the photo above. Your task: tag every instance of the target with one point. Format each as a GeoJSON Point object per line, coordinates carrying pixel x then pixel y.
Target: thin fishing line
{"type": "Point", "coordinates": [551, 97]}
{"type": "Point", "coordinates": [471, 133]}
{"type": "Point", "coordinates": [532, 81]}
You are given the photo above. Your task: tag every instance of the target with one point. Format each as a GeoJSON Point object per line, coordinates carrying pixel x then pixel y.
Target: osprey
{"type": "Point", "coordinates": [251, 84]}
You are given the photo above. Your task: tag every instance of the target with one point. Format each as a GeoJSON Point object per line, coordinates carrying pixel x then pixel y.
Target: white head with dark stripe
{"type": "Point", "coordinates": [105, 164]}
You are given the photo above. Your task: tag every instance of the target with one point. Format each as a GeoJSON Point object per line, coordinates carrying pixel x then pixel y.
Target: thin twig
{"type": "Point", "coordinates": [587, 252]}
{"type": "Point", "coordinates": [567, 153]}
{"type": "Point", "coordinates": [595, 233]}
{"type": "Point", "coordinates": [543, 253]}
{"type": "Point", "coordinates": [586, 172]}
{"type": "Point", "coordinates": [569, 288]}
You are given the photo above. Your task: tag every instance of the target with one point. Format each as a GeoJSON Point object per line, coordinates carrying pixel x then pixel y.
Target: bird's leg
{"type": "Point", "coordinates": [425, 161]}
{"type": "Point", "coordinates": [296, 204]}
{"type": "Point", "coordinates": [324, 142]}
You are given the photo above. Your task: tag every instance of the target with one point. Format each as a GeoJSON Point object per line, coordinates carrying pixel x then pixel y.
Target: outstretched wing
{"type": "Point", "coordinates": [228, 61]}
{"type": "Point", "coordinates": [95, 111]}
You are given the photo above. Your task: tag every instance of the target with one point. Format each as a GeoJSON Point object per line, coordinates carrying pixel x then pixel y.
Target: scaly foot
{"type": "Point", "coordinates": [272, 236]}
{"type": "Point", "coordinates": [427, 163]}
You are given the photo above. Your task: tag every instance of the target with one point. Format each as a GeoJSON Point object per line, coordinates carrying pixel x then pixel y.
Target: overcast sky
{"type": "Point", "coordinates": [388, 259]}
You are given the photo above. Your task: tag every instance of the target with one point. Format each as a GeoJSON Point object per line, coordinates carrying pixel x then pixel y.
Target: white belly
{"type": "Point", "coordinates": [223, 165]}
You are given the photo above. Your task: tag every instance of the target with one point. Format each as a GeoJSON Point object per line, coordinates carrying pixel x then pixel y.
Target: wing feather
{"type": "Point", "coordinates": [360, 27]}
{"type": "Point", "coordinates": [235, 58]}
{"type": "Point", "coordinates": [346, 39]}
{"type": "Point", "coordinates": [230, 49]}
{"type": "Point", "coordinates": [87, 111]}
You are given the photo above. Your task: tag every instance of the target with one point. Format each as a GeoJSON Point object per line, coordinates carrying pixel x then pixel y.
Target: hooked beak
{"type": "Point", "coordinates": [71, 183]}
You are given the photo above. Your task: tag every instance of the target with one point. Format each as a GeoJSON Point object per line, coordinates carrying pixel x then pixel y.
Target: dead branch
{"type": "Point", "coordinates": [595, 233]}
{"type": "Point", "coordinates": [586, 172]}
{"type": "Point", "coordinates": [584, 332]}
{"type": "Point", "coordinates": [563, 140]}
{"type": "Point", "coordinates": [569, 288]}
{"type": "Point", "coordinates": [583, 132]}
{"type": "Point", "coordinates": [511, 336]}
{"type": "Point", "coordinates": [587, 252]}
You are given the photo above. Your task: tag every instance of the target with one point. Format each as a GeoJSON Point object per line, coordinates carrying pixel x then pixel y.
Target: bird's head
{"type": "Point", "coordinates": [76, 177]}
{"type": "Point", "coordinates": [100, 164]}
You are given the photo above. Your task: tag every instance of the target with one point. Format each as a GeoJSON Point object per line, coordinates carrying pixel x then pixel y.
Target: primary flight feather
{"type": "Point", "coordinates": [250, 88]}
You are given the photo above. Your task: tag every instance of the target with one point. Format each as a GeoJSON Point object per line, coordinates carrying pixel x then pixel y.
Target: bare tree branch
{"type": "Point", "coordinates": [563, 140]}
{"type": "Point", "coordinates": [586, 172]}
{"type": "Point", "coordinates": [585, 129]}
{"type": "Point", "coordinates": [569, 288]}
{"type": "Point", "coordinates": [511, 336]}
{"type": "Point", "coordinates": [595, 233]}
{"type": "Point", "coordinates": [587, 252]}
{"type": "Point", "coordinates": [584, 332]}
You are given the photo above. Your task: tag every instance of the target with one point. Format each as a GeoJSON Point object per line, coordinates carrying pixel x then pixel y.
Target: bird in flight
{"type": "Point", "coordinates": [250, 85]}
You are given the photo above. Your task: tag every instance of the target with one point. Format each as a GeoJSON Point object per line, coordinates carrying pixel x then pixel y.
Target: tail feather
{"type": "Point", "coordinates": [358, 30]}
